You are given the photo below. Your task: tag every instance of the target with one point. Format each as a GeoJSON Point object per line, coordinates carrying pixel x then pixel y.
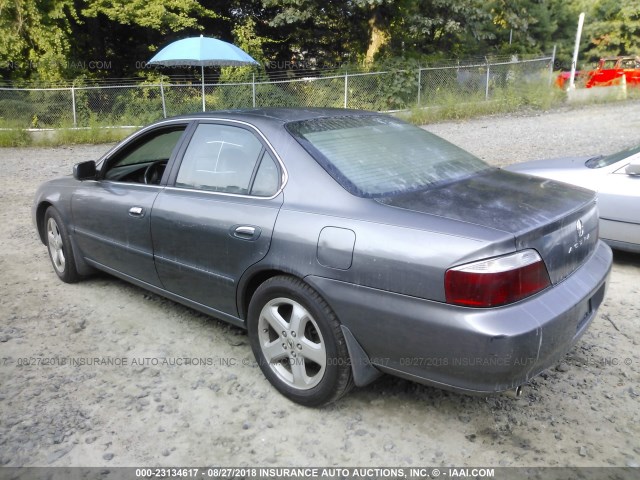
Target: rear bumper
{"type": "Point", "coordinates": [467, 349]}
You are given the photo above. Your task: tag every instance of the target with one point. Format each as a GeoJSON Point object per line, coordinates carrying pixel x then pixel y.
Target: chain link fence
{"type": "Point", "coordinates": [139, 104]}
{"type": "Point", "coordinates": [481, 81]}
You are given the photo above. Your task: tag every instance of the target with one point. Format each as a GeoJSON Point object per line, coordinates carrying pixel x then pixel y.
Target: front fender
{"type": "Point", "coordinates": [57, 193]}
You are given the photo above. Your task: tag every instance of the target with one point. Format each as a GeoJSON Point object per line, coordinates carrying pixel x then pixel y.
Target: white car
{"type": "Point", "coordinates": [616, 179]}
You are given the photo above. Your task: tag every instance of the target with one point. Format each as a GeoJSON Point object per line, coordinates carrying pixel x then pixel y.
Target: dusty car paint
{"type": "Point", "coordinates": [378, 262]}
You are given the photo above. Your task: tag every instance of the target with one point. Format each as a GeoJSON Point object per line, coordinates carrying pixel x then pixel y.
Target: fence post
{"type": "Point", "coordinates": [73, 106]}
{"type": "Point", "coordinates": [164, 105]}
{"type": "Point", "coordinates": [486, 90]}
{"type": "Point", "coordinates": [552, 64]}
{"type": "Point", "coordinates": [346, 84]}
{"type": "Point", "coordinates": [419, 84]}
{"type": "Point", "coordinates": [253, 89]}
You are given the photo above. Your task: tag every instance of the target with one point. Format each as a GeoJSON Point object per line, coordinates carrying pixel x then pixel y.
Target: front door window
{"type": "Point", "coordinates": [146, 159]}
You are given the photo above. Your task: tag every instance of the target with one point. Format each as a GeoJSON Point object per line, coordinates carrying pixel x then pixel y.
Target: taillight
{"type": "Point", "coordinates": [496, 281]}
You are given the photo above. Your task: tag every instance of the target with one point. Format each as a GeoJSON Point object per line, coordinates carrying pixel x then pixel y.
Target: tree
{"type": "Point", "coordinates": [54, 39]}
{"type": "Point", "coordinates": [36, 38]}
{"type": "Point", "coordinates": [379, 16]}
{"type": "Point", "coordinates": [438, 28]}
{"type": "Point", "coordinates": [318, 31]}
{"type": "Point", "coordinates": [126, 32]}
{"type": "Point", "coordinates": [161, 15]}
{"type": "Point", "coordinates": [612, 28]}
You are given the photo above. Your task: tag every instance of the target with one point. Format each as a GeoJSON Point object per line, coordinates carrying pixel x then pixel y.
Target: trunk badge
{"type": "Point", "coordinates": [581, 237]}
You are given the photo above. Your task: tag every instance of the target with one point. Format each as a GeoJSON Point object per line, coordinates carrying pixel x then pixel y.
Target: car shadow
{"type": "Point", "coordinates": [385, 387]}
{"type": "Point", "coordinates": [626, 258]}
{"type": "Point", "coordinates": [102, 279]}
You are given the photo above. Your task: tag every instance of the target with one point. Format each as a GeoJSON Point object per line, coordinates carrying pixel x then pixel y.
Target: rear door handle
{"type": "Point", "coordinates": [245, 232]}
{"type": "Point", "coordinates": [136, 212]}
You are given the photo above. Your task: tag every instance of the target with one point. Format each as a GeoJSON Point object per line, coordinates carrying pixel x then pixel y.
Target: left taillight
{"type": "Point", "coordinates": [496, 281]}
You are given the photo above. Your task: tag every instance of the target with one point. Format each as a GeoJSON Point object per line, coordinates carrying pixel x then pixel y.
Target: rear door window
{"type": "Point", "coordinates": [221, 158]}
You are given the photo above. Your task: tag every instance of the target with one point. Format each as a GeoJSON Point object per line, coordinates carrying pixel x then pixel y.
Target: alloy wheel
{"type": "Point", "coordinates": [291, 343]}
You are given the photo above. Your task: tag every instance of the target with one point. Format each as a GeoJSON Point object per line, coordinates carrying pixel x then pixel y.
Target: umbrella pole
{"type": "Point", "coordinates": [202, 74]}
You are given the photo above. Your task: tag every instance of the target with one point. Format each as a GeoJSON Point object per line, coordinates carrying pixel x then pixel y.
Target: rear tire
{"type": "Point", "coordinates": [59, 246]}
{"type": "Point", "coordinates": [298, 343]}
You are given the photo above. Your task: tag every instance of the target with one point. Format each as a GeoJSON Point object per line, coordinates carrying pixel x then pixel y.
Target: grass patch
{"type": "Point", "coordinates": [14, 138]}
{"type": "Point", "coordinates": [93, 135]}
{"type": "Point", "coordinates": [63, 136]}
{"type": "Point", "coordinates": [454, 106]}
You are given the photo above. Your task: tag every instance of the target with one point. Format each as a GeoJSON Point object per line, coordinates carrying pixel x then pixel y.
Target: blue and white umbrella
{"type": "Point", "coordinates": [203, 52]}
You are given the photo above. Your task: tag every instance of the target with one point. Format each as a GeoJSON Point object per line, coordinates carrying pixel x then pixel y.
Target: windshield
{"type": "Point", "coordinates": [375, 156]}
{"type": "Point", "coordinates": [609, 64]}
{"type": "Point", "coordinates": [605, 161]}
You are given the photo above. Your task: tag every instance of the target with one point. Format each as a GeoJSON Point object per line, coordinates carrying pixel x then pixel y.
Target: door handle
{"type": "Point", "coordinates": [245, 232]}
{"type": "Point", "coordinates": [136, 212]}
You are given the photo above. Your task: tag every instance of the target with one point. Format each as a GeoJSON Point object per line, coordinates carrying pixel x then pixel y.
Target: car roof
{"type": "Point", "coordinates": [279, 115]}
{"type": "Point", "coordinates": [258, 117]}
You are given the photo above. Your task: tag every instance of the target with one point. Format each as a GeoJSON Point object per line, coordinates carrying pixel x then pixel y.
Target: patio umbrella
{"type": "Point", "coordinates": [203, 52]}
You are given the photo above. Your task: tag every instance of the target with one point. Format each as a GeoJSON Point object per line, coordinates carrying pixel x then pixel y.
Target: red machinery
{"type": "Point", "coordinates": [609, 72]}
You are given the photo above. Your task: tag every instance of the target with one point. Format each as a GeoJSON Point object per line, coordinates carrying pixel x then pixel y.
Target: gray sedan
{"type": "Point", "coordinates": [347, 243]}
{"type": "Point", "coordinates": [616, 179]}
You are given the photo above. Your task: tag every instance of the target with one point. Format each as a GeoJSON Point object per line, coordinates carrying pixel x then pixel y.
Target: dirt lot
{"type": "Point", "coordinates": [584, 412]}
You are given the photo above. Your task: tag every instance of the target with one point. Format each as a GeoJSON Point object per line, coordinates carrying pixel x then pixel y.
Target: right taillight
{"type": "Point", "coordinates": [496, 281]}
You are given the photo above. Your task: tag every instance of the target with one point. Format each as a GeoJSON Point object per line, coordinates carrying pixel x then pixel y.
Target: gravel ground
{"type": "Point", "coordinates": [583, 412]}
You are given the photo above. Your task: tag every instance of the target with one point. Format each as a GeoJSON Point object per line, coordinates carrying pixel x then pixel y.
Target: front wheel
{"type": "Point", "coordinates": [59, 245]}
{"type": "Point", "coordinates": [298, 343]}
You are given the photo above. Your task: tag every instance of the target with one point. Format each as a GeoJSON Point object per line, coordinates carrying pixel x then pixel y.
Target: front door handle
{"type": "Point", "coordinates": [245, 232]}
{"type": "Point", "coordinates": [136, 212]}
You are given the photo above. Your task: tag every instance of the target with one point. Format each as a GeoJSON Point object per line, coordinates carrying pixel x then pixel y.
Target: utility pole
{"type": "Point", "coordinates": [574, 62]}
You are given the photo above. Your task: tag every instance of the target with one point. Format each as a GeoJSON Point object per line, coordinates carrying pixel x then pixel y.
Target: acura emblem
{"type": "Point", "coordinates": [580, 228]}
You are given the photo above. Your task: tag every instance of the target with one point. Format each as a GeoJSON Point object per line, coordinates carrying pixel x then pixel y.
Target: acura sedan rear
{"type": "Point", "coordinates": [348, 243]}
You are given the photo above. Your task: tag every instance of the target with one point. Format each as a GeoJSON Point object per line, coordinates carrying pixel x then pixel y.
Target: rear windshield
{"type": "Point", "coordinates": [376, 156]}
{"type": "Point", "coordinates": [600, 162]}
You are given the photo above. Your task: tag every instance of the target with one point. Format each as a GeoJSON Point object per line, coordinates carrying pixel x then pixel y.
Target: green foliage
{"type": "Point", "coordinates": [36, 37]}
{"type": "Point", "coordinates": [183, 99]}
{"type": "Point", "coordinates": [437, 26]}
{"type": "Point", "coordinates": [49, 40]}
{"type": "Point", "coordinates": [316, 30]}
{"type": "Point", "coordinates": [54, 39]}
{"type": "Point", "coordinates": [136, 106]}
{"type": "Point", "coordinates": [275, 95]}
{"type": "Point", "coordinates": [35, 108]}
{"type": "Point", "coordinates": [93, 135]}
{"type": "Point", "coordinates": [16, 110]}
{"type": "Point", "coordinates": [14, 138]}
{"type": "Point", "coordinates": [612, 28]}
{"type": "Point", "coordinates": [399, 90]}
{"type": "Point", "coordinates": [531, 96]}
{"type": "Point", "coordinates": [525, 21]}
{"type": "Point", "coordinates": [161, 15]}
{"type": "Point", "coordinates": [246, 38]}
{"type": "Point", "coordinates": [68, 136]}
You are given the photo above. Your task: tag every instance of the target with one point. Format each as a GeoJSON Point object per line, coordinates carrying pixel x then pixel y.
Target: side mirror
{"type": "Point", "coordinates": [85, 170]}
{"type": "Point", "coordinates": [633, 168]}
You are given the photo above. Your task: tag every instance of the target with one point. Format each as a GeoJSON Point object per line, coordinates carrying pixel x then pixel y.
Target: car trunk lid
{"type": "Point", "coordinates": [557, 220]}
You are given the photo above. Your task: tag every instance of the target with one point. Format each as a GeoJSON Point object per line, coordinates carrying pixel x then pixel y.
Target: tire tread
{"type": "Point", "coordinates": [70, 274]}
